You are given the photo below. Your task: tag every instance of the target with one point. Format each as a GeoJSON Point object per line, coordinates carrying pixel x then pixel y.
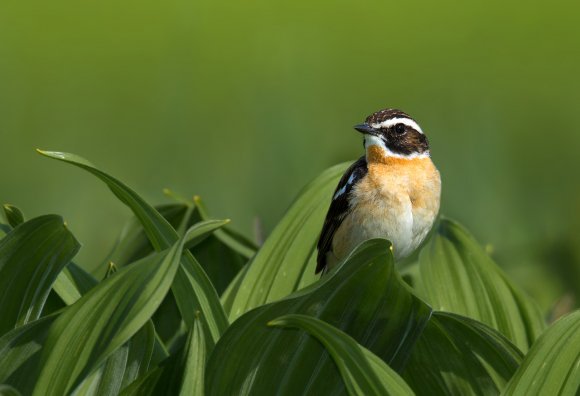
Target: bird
{"type": "Point", "coordinates": [391, 192]}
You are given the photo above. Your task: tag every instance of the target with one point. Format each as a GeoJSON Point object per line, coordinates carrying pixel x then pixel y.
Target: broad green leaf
{"type": "Point", "coordinates": [146, 385]}
{"type": "Point", "coordinates": [364, 298]}
{"type": "Point", "coordinates": [31, 257]}
{"type": "Point", "coordinates": [192, 382]}
{"type": "Point", "coordinates": [552, 366]}
{"type": "Point", "coordinates": [192, 288]}
{"type": "Point", "coordinates": [228, 237]}
{"type": "Point", "coordinates": [286, 261]}
{"type": "Point", "coordinates": [133, 243]}
{"type": "Point", "coordinates": [66, 289]}
{"type": "Point", "coordinates": [4, 229]}
{"type": "Point", "coordinates": [72, 283]}
{"type": "Point", "coordinates": [221, 254]}
{"type": "Point", "coordinates": [460, 356]}
{"type": "Point", "coordinates": [141, 349]}
{"type": "Point", "coordinates": [367, 300]}
{"type": "Point", "coordinates": [182, 373]}
{"type": "Point", "coordinates": [124, 366]}
{"type": "Point", "coordinates": [107, 379]}
{"type": "Point", "coordinates": [90, 330]}
{"type": "Point", "coordinates": [13, 215]}
{"type": "Point", "coordinates": [458, 276]}
{"type": "Point", "coordinates": [20, 351]}
{"type": "Point", "coordinates": [228, 296]}
{"type": "Point", "coordinates": [363, 372]}
{"type": "Point", "coordinates": [220, 262]}
{"type": "Point", "coordinates": [7, 390]}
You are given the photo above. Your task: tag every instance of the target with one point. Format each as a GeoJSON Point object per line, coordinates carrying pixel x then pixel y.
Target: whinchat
{"type": "Point", "coordinates": [391, 192]}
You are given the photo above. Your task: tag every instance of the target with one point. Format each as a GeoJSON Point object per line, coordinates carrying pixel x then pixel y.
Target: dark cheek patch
{"type": "Point", "coordinates": [409, 143]}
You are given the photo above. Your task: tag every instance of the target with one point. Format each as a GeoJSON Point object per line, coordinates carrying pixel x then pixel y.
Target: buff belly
{"type": "Point", "coordinates": [390, 204]}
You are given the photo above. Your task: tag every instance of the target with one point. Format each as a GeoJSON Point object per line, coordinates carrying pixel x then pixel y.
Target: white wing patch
{"type": "Point", "coordinates": [343, 188]}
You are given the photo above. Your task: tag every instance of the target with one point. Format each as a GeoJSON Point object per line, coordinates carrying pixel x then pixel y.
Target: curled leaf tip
{"type": "Point", "coordinates": [52, 154]}
{"type": "Point", "coordinates": [276, 323]}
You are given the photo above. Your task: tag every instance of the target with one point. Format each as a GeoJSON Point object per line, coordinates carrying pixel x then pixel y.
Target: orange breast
{"type": "Point", "coordinates": [398, 199]}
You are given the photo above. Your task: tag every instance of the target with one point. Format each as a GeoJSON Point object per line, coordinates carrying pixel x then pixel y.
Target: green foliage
{"type": "Point", "coordinates": [31, 257]}
{"type": "Point", "coordinates": [457, 275]}
{"type": "Point", "coordinates": [364, 373]}
{"type": "Point", "coordinates": [189, 306]}
{"type": "Point", "coordinates": [552, 366]}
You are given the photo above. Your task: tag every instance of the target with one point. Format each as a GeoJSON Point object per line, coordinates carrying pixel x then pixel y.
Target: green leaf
{"type": "Point", "coordinates": [220, 262]}
{"type": "Point", "coordinates": [90, 330]}
{"type": "Point", "coordinates": [213, 256]}
{"type": "Point", "coordinates": [552, 366]}
{"type": "Point", "coordinates": [194, 363]}
{"type": "Point", "coordinates": [20, 351]}
{"type": "Point", "coordinates": [458, 355]}
{"type": "Point", "coordinates": [72, 283]}
{"type": "Point", "coordinates": [368, 300]}
{"type": "Point", "coordinates": [133, 243]}
{"type": "Point", "coordinates": [235, 241]}
{"type": "Point", "coordinates": [4, 230]}
{"type": "Point", "coordinates": [107, 379]}
{"type": "Point", "coordinates": [286, 261]}
{"type": "Point", "coordinates": [7, 390]}
{"type": "Point", "coordinates": [364, 298]}
{"type": "Point", "coordinates": [458, 276]}
{"type": "Point", "coordinates": [192, 289]}
{"type": "Point", "coordinates": [182, 373]}
{"type": "Point", "coordinates": [146, 385]}
{"type": "Point", "coordinates": [141, 349]}
{"type": "Point", "coordinates": [13, 215]}
{"type": "Point", "coordinates": [363, 372]}
{"type": "Point", "coordinates": [124, 366]}
{"type": "Point", "coordinates": [31, 257]}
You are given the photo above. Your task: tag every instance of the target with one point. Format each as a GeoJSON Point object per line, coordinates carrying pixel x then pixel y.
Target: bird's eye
{"type": "Point", "coordinates": [400, 128]}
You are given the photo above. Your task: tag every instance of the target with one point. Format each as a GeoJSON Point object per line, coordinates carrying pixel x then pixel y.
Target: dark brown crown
{"type": "Point", "coordinates": [385, 114]}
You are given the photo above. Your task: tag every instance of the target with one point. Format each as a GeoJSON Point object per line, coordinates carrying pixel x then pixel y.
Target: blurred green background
{"type": "Point", "coordinates": [244, 102]}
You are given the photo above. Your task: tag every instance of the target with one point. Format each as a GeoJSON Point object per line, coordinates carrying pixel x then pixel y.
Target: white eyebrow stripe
{"type": "Point", "coordinates": [398, 120]}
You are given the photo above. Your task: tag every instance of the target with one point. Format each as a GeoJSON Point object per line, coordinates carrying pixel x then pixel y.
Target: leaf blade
{"type": "Point", "coordinates": [458, 276]}
{"type": "Point", "coordinates": [13, 215]}
{"type": "Point", "coordinates": [285, 262]}
{"type": "Point", "coordinates": [387, 319]}
{"type": "Point", "coordinates": [552, 366]}
{"type": "Point", "coordinates": [90, 330]}
{"type": "Point", "coordinates": [31, 257]}
{"type": "Point", "coordinates": [191, 282]}
{"type": "Point", "coordinates": [363, 372]}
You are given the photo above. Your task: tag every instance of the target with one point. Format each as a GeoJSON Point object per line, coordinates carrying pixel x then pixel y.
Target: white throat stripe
{"type": "Point", "coordinates": [393, 121]}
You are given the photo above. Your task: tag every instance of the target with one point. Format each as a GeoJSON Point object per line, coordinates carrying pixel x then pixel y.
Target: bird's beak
{"type": "Point", "coordinates": [366, 129]}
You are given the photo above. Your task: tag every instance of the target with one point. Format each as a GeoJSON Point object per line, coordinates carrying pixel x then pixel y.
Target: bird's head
{"type": "Point", "coordinates": [391, 133]}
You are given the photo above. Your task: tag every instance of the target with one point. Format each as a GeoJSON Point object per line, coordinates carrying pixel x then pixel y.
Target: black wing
{"type": "Point", "coordinates": [338, 209]}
